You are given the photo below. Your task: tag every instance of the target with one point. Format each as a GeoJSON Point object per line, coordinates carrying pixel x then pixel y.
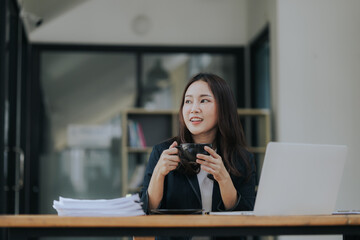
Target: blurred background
{"type": "Point", "coordinates": [70, 69]}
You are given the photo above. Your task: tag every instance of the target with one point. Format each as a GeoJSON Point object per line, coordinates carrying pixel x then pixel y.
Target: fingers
{"type": "Point", "coordinates": [209, 164]}
{"type": "Point", "coordinates": [208, 169]}
{"type": "Point", "coordinates": [211, 151]}
{"type": "Point", "coordinates": [169, 160]}
{"type": "Point", "coordinates": [172, 158]}
{"type": "Point", "coordinates": [174, 144]}
{"type": "Point", "coordinates": [172, 149]}
{"type": "Point", "coordinates": [214, 167]}
{"type": "Point", "coordinates": [213, 157]}
{"type": "Point", "coordinates": [171, 153]}
{"type": "Point", "coordinates": [212, 163]}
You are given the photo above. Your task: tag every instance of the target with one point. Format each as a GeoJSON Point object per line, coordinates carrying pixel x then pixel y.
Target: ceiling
{"type": "Point", "coordinates": [45, 11]}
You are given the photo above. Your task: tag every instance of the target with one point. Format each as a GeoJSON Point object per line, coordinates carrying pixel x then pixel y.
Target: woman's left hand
{"type": "Point", "coordinates": [213, 164]}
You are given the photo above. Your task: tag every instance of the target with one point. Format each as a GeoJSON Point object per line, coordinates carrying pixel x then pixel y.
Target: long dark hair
{"type": "Point", "coordinates": [230, 139]}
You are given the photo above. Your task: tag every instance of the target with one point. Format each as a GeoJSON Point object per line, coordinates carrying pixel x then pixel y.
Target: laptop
{"type": "Point", "coordinates": [299, 179]}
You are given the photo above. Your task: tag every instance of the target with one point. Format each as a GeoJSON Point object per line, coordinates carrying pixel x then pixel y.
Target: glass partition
{"type": "Point", "coordinates": [84, 93]}
{"type": "Point", "coordinates": [164, 76]}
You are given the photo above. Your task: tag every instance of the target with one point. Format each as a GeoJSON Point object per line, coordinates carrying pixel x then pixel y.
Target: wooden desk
{"type": "Point", "coordinates": [24, 226]}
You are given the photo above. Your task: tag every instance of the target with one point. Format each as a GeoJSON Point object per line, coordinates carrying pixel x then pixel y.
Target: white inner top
{"type": "Point", "coordinates": [206, 190]}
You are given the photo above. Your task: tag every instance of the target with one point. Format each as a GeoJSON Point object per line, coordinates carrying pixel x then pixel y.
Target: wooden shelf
{"type": "Point", "coordinates": [139, 149]}
{"type": "Point", "coordinates": [258, 149]}
{"type": "Point", "coordinates": [253, 112]}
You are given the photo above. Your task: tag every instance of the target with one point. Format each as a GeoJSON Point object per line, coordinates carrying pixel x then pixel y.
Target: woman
{"type": "Point", "coordinates": [207, 115]}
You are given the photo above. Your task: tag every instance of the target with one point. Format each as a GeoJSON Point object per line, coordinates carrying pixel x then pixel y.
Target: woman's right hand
{"type": "Point", "coordinates": [169, 160]}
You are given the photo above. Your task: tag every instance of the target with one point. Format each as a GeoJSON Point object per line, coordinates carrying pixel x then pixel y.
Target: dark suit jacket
{"type": "Point", "coordinates": [183, 192]}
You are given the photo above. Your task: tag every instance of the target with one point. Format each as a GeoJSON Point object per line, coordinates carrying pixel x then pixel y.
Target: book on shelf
{"type": "Point", "coordinates": [141, 135]}
{"type": "Point", "coordinates": [136, 134]}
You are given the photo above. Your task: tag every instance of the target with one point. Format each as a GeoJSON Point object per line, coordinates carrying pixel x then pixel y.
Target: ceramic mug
{"type": "Point", "coordinates": [187, 154]}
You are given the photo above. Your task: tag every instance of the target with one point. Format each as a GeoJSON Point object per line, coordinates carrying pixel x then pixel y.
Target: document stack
{"type": "Point", "coordinates": [118, 207]}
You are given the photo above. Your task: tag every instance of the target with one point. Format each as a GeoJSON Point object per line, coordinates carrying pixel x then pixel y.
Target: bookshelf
{"type": "Point", "coordinates": [156, 125]}
{"type": "Point", "coordinates": [159, 125]}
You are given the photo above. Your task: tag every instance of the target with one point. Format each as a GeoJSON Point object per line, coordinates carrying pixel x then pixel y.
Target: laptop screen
{"type": "Point", "coordinates": [300, 179]}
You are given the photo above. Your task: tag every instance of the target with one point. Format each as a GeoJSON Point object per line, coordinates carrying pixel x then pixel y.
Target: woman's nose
{"type": "Point", "coordinates": [195, 107]}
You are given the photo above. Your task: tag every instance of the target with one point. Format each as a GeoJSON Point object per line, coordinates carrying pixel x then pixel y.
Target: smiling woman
{"type": "Point", "coordinates": [207, 114]}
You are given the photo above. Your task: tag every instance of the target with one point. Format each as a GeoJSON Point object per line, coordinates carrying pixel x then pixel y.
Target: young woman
{"type": "Point", "coordinates": [207, 115]}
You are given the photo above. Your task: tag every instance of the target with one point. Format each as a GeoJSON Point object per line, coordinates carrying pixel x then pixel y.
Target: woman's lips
{"type": "Point", "coordinates": [196, 120]}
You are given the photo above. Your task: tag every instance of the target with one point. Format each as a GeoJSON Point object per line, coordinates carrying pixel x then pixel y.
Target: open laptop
{"type": "Point", "coordinates": [299, 179]}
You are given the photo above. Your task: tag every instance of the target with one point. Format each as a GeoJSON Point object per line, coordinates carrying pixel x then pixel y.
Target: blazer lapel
{"type": "Point", "coordinates": [194, 183]}
{"type": "Point", "coordinates": [216, 196]}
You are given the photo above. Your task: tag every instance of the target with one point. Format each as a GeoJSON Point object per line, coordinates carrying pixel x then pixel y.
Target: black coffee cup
{"type": "Point", "coordinates": [188, 151]}
{"type": "Point", "coordinates": [187, 154]}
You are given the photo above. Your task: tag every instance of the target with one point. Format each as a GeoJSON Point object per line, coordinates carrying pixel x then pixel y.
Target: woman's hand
{"type": "Point", "coordinates": [169, 160]}
{"type": "Point", "coordinates": [213, 164]}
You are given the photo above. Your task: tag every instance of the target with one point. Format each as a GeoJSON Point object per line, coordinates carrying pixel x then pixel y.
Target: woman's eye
{"type": "Point", "coordinates": [205, 100]}
{"type": "Point", "coordinates": [187, 101]}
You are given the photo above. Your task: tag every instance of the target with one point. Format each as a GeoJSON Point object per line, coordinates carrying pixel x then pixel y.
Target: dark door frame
{"type": "Point", "coordinates": [262, 38]}
{"type": "Point", "coordinates": [3, 27]}
{"type": "Point", "coordinates": [14, 47]}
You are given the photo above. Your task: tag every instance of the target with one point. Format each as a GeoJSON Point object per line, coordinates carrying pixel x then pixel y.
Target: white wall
{"type": "Point", "coordinates": [319, 80]}
{"type": "Point", "coordinates": [315, 78]}
{"type": "Point", "coordinates": [259, 13]}
{"type": "Point", "coordinates": [167, 22]}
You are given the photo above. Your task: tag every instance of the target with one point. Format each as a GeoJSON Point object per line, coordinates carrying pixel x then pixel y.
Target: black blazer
{"type": "Point", "coordinates": [183, 192]}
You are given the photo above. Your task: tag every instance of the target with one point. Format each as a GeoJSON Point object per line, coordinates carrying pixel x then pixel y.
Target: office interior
{"type": "Point", "coordinates": [69, 68]}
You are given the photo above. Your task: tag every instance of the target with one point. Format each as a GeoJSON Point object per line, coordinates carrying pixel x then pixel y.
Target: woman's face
{"type": "Point", "coordinates": [200, 112]}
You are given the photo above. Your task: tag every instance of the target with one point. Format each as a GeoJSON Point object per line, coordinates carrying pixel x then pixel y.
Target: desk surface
{"type": "Point", "coordinates": [174, 221]}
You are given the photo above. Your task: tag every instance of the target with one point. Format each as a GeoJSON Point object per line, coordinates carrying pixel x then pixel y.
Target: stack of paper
{"type": "Point", "coordinates": [126, 206]}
